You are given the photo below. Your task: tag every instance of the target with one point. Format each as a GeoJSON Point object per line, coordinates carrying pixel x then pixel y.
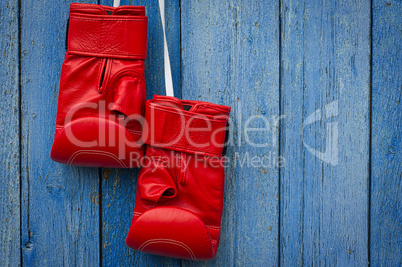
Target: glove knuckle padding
{"type": "Point", "coordinates": [179, 202]}
{"type": "Point", "coordinates": [102, 88]}
{"type": "Point", "coordinates": [172, 231]}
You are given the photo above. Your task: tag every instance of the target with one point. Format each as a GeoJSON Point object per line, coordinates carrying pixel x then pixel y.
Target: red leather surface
{"type": "Point", "coordinates": [179, 195]}
{"type": "Point", "coordinates": [200, 130]}
{"type": "Point", "coordinates": [120, 35]}
{"type": "Point", "coordinates": [171, 231]}
{"type": "Point", "coordinates": [97, 91]}
{"type": "Point", "coordinates": [98, 142]}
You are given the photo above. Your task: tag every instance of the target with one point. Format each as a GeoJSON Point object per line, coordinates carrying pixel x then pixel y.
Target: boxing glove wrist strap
{"type": "Point", "coordinates": [185, 131]}
{"type": "Point", "coordinates": [109, 36]}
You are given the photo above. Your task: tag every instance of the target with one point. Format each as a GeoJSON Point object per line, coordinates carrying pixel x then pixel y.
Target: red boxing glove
{"type": "Point", "coordinates": [102, 88]}
{"type": "Point", "coordinates": [180, 188]}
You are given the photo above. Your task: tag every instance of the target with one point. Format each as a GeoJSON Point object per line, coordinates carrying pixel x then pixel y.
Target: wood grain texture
{"type": "Point", "coordinates": [60, 214]}
{"type": "Point", "coordinates": [325, 72]}
{"type": "Point", "coordinates": [119, 186]}
{"type": "Point", "coordinates": [386, 146]}
{"type": "Point", "coordinates": [230, 56]}
{"type": "Point", "coordinates": [9, 135]}
{"type": "Point", "coordinates": [306, 60]}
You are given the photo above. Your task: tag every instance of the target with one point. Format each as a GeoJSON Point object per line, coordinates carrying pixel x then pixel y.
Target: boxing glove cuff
{"type": "Point", "coordinates": [112, 36]}
{"type": "Point", "coordinates": [189, 131]}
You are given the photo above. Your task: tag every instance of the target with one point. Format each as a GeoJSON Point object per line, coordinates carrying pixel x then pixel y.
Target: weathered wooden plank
{"type": "Point", "coordinates": [60, 215]}
{"type": "Point", "coordinates": [9, 135]}
{"type": "Point", "coordinates": [325, 73]}
{"type": "Point", "coordinates": [386, 145]}
{"type": "Point", "coordinates": [230, 55]}
{"type": "Point", "coordinates": [118, 186]}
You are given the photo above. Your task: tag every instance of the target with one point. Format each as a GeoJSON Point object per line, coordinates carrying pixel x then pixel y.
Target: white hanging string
{"type": "Point", "coordinates": [168, 70]}
{"type": "Point", "coordinates": [116, 3]}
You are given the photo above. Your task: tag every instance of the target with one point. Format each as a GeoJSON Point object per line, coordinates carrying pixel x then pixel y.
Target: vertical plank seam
{"type": "Point", "coordinates": [19, 124]}
{"type": "Point", "coordinates": [100, 217]}
{"type": "Point", "coordinates": [279, 128]}
{"type": "Point", "coordinates": [100, 208]}
{"type": "Point", "coordinates": [303, 119]}
{"type": "Point", "coordinates": [181, 58]}
{"type": "Point", "coordinates": [180, 66]}
{"type": "Point", "coordinates": [370, 136]}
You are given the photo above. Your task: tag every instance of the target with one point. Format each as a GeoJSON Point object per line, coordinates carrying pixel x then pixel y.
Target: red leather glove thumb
{"type": "Point", "coordinates": [129, 95]}
{"type": "Point", "coordinates": [156, 184]}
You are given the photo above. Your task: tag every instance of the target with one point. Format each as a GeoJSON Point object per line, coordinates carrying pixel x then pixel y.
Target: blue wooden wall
{"type": "Point", "coordinates": [319, 83]}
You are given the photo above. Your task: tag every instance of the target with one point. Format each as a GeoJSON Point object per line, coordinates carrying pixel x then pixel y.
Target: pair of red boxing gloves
{"type": "Point", "coordinates": [104, 120]}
